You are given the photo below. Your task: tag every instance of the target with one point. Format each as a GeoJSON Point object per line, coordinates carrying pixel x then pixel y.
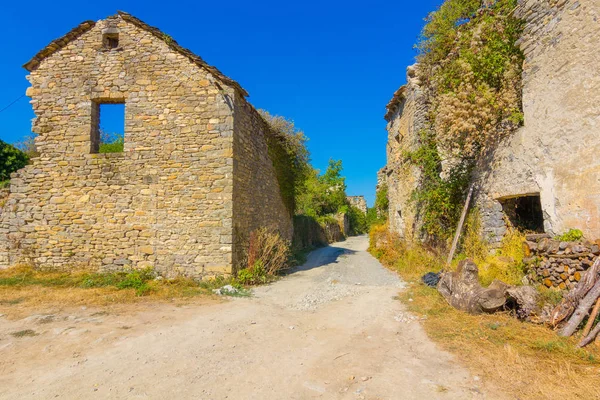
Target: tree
{"type": "Point", "coordinates": [11, 160]}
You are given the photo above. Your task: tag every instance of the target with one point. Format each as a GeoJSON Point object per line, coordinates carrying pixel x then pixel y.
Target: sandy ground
{"type": "Point", "coordinates": [331, 330]}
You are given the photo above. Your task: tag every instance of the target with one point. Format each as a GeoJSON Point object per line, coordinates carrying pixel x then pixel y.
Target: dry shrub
{"type": "Point", "coordinates": [269, 250]}
{"type": "Point", "coordinates": [505, 264]}
{"type": "Point", "coordinates": [411, 260]}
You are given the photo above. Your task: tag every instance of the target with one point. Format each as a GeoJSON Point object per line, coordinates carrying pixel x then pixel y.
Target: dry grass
{"type": "Point", "coordinates": [524, 360]}
{"type": "Point", "coordinates": [23, 289]}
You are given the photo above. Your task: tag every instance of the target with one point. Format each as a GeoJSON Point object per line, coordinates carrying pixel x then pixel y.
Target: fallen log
{"type": "Point", "coordinates": [582, 310]}
{"type": "Point", "coordinates": [590, 338]}
{"type": "Point", "coordinates": [462, 290]}
{"type": "Point", "coordinates": [591, 319]}
{"type": "Point", "coordinates": [570, 302]}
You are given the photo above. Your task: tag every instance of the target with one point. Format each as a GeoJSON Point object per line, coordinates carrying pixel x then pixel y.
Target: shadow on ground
{"type": "Point", "coordinates": [323, 256]}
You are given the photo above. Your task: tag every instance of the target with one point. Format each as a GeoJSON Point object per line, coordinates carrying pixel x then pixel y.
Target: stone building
{"type": "Point", "coordinates": [194, 179]}
{"type": "Point", "coordinates": [544, 177]}
{"type": "Point", "coordinates": [406, 116]}
{"type": "Point", "coordinates": [358, 202]}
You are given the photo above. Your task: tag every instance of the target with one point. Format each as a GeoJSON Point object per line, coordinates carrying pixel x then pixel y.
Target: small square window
{"type": "Point", "coordinates": [108, 128]}
{"type": "Point", "coordinates": [110, 41]}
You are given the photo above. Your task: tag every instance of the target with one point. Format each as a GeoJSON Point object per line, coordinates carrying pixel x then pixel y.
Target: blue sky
{"type": "Point", "coordinates": [330, 66]}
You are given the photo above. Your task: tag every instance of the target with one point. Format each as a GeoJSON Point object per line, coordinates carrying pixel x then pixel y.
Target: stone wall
{"type": "Point", "coordinates": [358, 202]}
{"type": "Point", "coordinates": [555, 154]}
{"type": "Point", "coordinates": [406, 118]}
{"type": "Point", "coordinates": [257, 198]}
{"type": "Point", "coordinates": [167, 200]}
{"type": "Point", "coordinates": [558, 264]}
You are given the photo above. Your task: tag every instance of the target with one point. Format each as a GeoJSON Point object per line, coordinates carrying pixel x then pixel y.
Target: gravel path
{"type": "Point", "coordinates": [330, 330]}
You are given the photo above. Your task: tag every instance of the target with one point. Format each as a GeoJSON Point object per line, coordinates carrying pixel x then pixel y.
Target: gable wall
{"type": "Point", "coordinates": [165, 202]}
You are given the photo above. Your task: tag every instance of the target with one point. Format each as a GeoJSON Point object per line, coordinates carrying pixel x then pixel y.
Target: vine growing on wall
{"type": "Point", "coordinates": [470, 67]}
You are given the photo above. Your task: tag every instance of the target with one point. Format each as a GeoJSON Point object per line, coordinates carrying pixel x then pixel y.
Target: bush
{"type": "Point", "coordinates": [111, 143]}
{"type": "Point", "coordinates": [290, 157]}
{"type": "Point", "coordinates": [268, 255]}
{"type": "Point", "coordinates": [11, 160]}
{"type": "Point", "coordinates": [573, 235]}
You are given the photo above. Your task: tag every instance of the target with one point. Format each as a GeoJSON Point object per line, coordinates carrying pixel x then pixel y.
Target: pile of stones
{"type": "Point", "coordinates": [558, 264]}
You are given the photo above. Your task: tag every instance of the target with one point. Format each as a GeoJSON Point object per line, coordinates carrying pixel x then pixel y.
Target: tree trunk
{"type": "Point", "coordinates": [462, 290]}
{"type": "Point", "coordinates": [581, 311]}
{"type": "Point", "coordinates": [591, 319]}
{"type": "Point", "coordinates": [590, 338]}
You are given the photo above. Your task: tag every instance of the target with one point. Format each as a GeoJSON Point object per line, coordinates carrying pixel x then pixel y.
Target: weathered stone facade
{"type": "Point", "coordinates": [358, 202]}
{"type": "Point", "coordinates": [553, 159]}
{"type": "Point", "coordinates": [406, 116]}
{"type": "Point", "coordinates": [194, 178]}
{"type": "Point", "coordinates": [555, 154]}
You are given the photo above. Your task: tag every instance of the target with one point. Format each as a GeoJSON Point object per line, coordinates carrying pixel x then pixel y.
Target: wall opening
{"type": "Point", "coordinates": [110, 41]}
{"type": "Point", "coordinates": [524, 212]}
{"type": "Point", "coordinates": [108, 127]}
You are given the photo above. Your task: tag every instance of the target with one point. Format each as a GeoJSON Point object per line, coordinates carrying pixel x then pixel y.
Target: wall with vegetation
{"type": "Point", "coordinates": [555, 153]}
{"type": "Point", "coordinates": [509, 105]}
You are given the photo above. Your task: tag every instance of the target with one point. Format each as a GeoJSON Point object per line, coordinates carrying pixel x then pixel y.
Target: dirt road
{"type": "Point", "coordinates": [331, 330]}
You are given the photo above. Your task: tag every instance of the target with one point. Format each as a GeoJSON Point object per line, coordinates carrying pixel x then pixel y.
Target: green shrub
{"type": "Point", "coordinates": [11, 160]}
{"type": "Point", "coordinates": [573, 235]}
{"type": "Point", "coordinates": [111, 143]}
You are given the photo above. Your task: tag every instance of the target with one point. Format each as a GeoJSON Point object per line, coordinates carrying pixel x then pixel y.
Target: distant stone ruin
{"type": "Point", "coordinates": [193, 181]}
{"type": "Point", "coordinates": [358, 202]}
{"type": "Point", "coordinates": [544, 177]}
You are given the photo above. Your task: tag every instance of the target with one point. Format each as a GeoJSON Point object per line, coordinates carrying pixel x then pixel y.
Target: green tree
{"type": "Point", "coordinates": [11, 160]}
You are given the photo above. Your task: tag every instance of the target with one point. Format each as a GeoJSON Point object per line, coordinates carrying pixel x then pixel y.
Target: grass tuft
{"type": "Point", "coordinates": [24, 333]}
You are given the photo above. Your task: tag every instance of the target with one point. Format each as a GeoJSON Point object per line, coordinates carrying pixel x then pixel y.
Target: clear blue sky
{"type": "Point", "coordinates": [331, 66]}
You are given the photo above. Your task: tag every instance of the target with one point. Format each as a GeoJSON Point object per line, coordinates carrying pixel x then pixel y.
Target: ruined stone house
{"type": "Point", "coordinates": [359, 202]}
{"type": "Point", "coordinates": [195, 177]}
{"type": "Point", "coordinates": [546, 176]}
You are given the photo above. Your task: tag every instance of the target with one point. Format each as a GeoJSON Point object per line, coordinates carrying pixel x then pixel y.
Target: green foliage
{"type": "Point", "coordinates": [442, 27]}
{"type": "Point", "coordinates": [382, 202]}
{"type": "Point", "coordinates": [111, 143]}
{"type": "Point", "coordinates": [11, 160]}
{"type": "Point", "coordinates": [358, 221]}
{"type": "Point", "coordinates": [573, 235]}
{"type": "Point", "coordinates": [471, 64]}
{"type": "Point", "coordinates": [256, 275]}
{"type": "Point", "coordinates": [324, 194]}
{"type": "Point", "coordinates": [291, 159]}
{"type": "Point", "coordinates": [130, 279]}
{"type": "Point", "coordinates": [438, 200]}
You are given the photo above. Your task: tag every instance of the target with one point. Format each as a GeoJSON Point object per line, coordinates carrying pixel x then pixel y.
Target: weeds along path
{"type": "Point", "coordinates": [330, 330]}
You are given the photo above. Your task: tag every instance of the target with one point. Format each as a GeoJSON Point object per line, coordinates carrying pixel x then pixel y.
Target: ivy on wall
{"type": "Point", "coordinates": [470, 68]}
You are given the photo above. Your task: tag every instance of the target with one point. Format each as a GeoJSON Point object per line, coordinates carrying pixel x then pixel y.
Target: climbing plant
{"type": "Point", "coordinates": [470, 67]}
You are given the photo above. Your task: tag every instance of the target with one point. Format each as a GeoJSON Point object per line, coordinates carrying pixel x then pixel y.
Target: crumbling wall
{"type": "Point", "coordinates": [555, 154]}
{"type": "Point", "coordinates": [165, 202]}
{"type": "Point", "coordinates": [358, 202]}
{"type": "Point", "coordinates": [406, 116]}
{"type": "Point", "coordinates": [257, 199]}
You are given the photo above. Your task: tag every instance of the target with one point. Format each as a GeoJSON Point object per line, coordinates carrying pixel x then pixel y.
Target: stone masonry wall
{"type": "Point", "coordinates": [257, 200]}
{"type": "Point", "coordinates": [555, 154]}
{"type": "Point", "coordinates": [165, 202]}
{"type": "Point", "coordinates": [406, 119]}
{"type": "Point", "coordinates": [358, 202]}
